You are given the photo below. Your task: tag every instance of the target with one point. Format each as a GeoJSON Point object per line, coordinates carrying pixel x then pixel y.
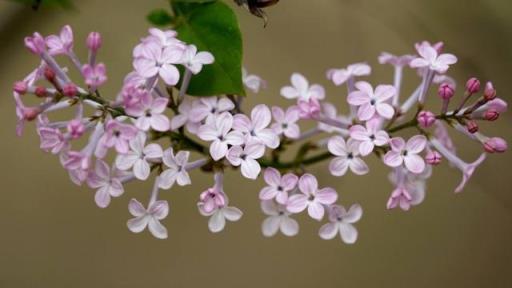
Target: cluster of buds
{"type": "Point", "coordinates": [215, 130]}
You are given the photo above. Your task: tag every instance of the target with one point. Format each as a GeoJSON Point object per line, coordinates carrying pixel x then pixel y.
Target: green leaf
{"type": "Point", "coordinates": [212, 26]}
{"type": "Point", "coordinates": [159, 17]}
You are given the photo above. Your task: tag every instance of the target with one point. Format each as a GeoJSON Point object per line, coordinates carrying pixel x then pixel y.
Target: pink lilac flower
{"type": "Point", "coordinates": [150, 114]}
{"type": "Point", "coordinates": [52, 140]}
{"type": "Point", "coordinates": [176, 171]}
{"type": "Point", "coordinates": [301, 89]}
{"type": "Point", "coordinates": [107, 181]}
{"type": "Point", "coordinates": [467, 169]}
{"type": "Point", "coordinates": [340, 76]}
{"type": "Point", "coordinates": [498, 105]}
{"type": "Point", "coordinates": [340, 222]}
{"type": "Point", "coordinates": [426, 119]}
{"type": "Point", "coordinates": [372, 102]}
{"type": "Point", "coordinates": [309, 109]}
{"type": "Point", "coordinates": [397, 61]}
{"type": "Point", "coordinates": [279, 186]}
{"type": "Point", "coordinates": [205, 109]}
{"type": "Point", "coordinates": [94, 41]}
{"type": "Point", "coordinates": [400, 197]}
{"type": "Point", "coordinates": [214, 204]}
{"type": "Point", "coordinates": [95, 75]}
{"type": "Point", "coordinates": [194, 61]}
{"type": "Point", "coordinates": [431, 59]}
{"type": "Point", "coordinates": [219, 133]}
{"type": "Point", "coordinates": [369, 136]}
{"type": "Point", "coordinates": [61, 44]}
{"type": "Point", "coordinates": [347, 157]}
{"type": "Point", "coordinates": [407, 153]}
{"type": "Point", "coordinates": [256, 127]}
{"type": "Point", "coordinates": [311, 197]}
{"type": "Point", "coordinates": [36, 43]}
{"type": "Point", "coordinates": [410, 188]}
{"type": "Point", "coordinates": [286, 122]}
{"type": "Point", "coordinates": [495, 145]}
{"type": "Point", "coordinates": [252, 82]}
{"type": "Point", "coordinates": [117, 135]}
{"type": "Point", "coordinates": [81, 160]}
{"type": "Point", "coordinates": [278, 220]}
{"type": "Point", "coordinates": [155, 60]}
{"type": "Point", "coordinates": [139, 157]}
{"type": "Point", "coordinates": [149, 217]}
{"type": "Point", "coordinates": [246, 157]}
{"type": "Point", "coordinates": [76, 128]}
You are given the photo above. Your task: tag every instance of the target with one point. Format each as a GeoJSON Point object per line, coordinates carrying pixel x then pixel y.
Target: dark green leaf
{"type": "Point", "coordinates": [159, 17]}
{"type": "Point", "coordinates": [212, 27]}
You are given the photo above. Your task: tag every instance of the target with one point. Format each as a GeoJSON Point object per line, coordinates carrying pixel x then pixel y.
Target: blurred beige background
{"type": "Point", "coordinates": [53, 235]}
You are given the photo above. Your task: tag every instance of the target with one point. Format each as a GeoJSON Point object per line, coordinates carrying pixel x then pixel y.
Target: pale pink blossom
{"type": "Point", "coordinates": [279, 186]}
{"type": "Point", "coordinates": [205, 109]}
{"type": "Point", "coordinates": [36, 43]}
{"type": "Point", "coordinates": [432, 59]}
{"type": "Point", "coordinates": [219, 133]}
{"type": "Point", "coordinates": [301, 89]}
{"type": "Point", "coordinates": [95, 75]}
{"type": "Point", "coordinates": [155, 60]}
{"type": "Point", "coordinates": [340, 76]}
{"type": "Point", "coordinates": [139, 157]}
{"type": "Point", "coordinates": [108, 182]}
{"type": "Point", "coordinates": [255, 128]}
{"type": "Point", "coordinates": [400, 197]}
{"type": "Point", "coordinates": [278, 220]}
{"type": "Point", "coordinates": [369, 136]}
{"type": "Point", "coordinates": [194, 61]}
{"type": "Point", "coordinates": [246, 157]}
{"type": "Point", "coordinates": [52, 140]}
{"type": "Point", "coordinates": [397, 61]}
{"type": "Point", "coordinates": [76, 128]}
{"type": "Point", "coordinates": [210, 201]}
{"type": "Point", "coordinates": [346, 157]}
{"type": "Point", "coordinates": [341, 222]}
{"type": "Point", "coordinates": [410, 188]}
{"type": "Point", "coordinates": [311, 197]}
{"type": "Point", "coordinates": [252, 82]}
{"type": "Point", "coordinates": [214, 204]}
{"type": "Point", "coordinates": [309, 109]}
{"type": "Point", "coordinates": [150, 217]}
{"type": "Point", "coordinates": [61, 44]}
{"type": "Point", "coordinates": [371, 102]}
{"type": "Point", "coordinates": [177, 169]}
{"type": "Point", "coordinates": [407, 153]}
{"type": "Point", "coordinates": [117, 135]}
{"type": "Point", "coordinates": [286, 122]}
{"type": "Point", "coordinates": [150, 113]}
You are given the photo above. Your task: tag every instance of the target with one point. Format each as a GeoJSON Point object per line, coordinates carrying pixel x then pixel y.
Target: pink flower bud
{"type": "Point", "coordinates": [30, 113]}
{"type": "Point", "coordinates": [426, 119]}
{"type": "Point", "coordinates": [491, 115]}
{"type": "Point", "coordinates": [49, 74]}
{"type": "Point", "coordinates": [489, 92]}
{"type": "Point", "coordinates": [433, 157]}
{"type": "Point", "coordinates": [41, 91]}
{"type": "Point", "coordinates": [20, 87]}
{"type": "Point", "coordinates": [446, 91]}
{"type": "Point", "coordinates": [76, 128]}
{"type": "Point", "coordinates": [94, 41]}
{"type": "Point", "coordinates": [472, 126]}
{"type": "Point", "coordinates": [309, 109]}
{"type": "Point", "coordinates": [70, 90]}
{"type": "Point", "coordinates": [35, 43]}
{"type": "Point", "coordinates": [473, 85]}
{"type": "Point", "coordinates": [495, 145]}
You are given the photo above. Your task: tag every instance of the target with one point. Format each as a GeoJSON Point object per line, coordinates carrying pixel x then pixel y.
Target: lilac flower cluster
{"type": "Point", "coordinates": [153, 105]}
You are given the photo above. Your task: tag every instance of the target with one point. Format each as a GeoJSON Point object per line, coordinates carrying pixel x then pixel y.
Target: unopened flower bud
{"type": "Point", "coordinates": [495, 145]}
{"type": "Point", "coordinates": [489, 92]}
{"type": "Point", "coordinates": [94, 41]}
{"type": "Point", "coordinates": [20, 87]}
{"type": "Point", "coordinates": [49, 74]}
{"type": "Point", "coordinates": [426, 119]}
{"type": "Point", "coordinates": [473, 85]}
{"type": "Point", "coordinates": [433, 157]}
{"type": "Point", "coordinates": [41, 92]}
{"type": "Point", "coordinates": [30, 113]}
{"type": "Point", "coordinates": [472, 126]}
{"type": "Point", "coordinates": [446, 91]}
{"type": "Point", "coordinates": [491, 115]}
{"type": "Point", "coordinates": [35, 44]}
{"type": "Point", "coordinates": [70, 90]}
{"type": "Point", "coordinates": [76, 128]}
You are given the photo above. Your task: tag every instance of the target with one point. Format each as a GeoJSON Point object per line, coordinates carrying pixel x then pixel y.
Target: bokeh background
{"type": "Point", "coordinates": [53, 235]}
